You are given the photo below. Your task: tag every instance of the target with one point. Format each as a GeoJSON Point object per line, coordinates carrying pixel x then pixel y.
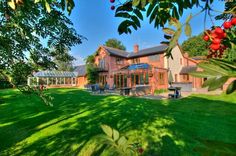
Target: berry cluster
{"type": "Point", "coordinates": [217, 36]}
{"type": "Point", "coordinates": [112, 7]}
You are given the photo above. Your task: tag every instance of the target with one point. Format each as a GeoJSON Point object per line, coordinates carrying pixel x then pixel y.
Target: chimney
{"type": "Point", "coordinates": [136, 48]}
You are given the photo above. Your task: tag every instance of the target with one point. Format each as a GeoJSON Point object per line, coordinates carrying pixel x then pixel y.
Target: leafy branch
{"type": "Point", "coordinates": [217, 73]}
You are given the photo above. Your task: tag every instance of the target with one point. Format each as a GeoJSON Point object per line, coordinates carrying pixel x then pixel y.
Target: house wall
{"type": "Point", "coordinates": [175, 64]}
{"type": "Point", "coordinates": [113, 67]}
{"type": "Point", "coordinates": [146, 59]}
{"type": "Point", "coordinates": [81, 81]}
{"type": "Point", "coordinates": [179, 61]}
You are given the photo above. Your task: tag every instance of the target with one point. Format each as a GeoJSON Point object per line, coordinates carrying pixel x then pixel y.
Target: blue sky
{"type": "Point", "coordinates": [95, 20]}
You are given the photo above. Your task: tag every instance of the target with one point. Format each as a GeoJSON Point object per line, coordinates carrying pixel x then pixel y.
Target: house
{"type": "Point", "coordinates": [180, 67]}
{"type": "Point", "coordinates": [81, 76]}
{"type": "Point", "coordinates": [147, 67]}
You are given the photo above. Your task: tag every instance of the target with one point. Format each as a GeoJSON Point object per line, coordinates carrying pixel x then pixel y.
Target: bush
{"type": "Point", "coordinates": [5, 84]}
{"type": "Point", "coordinates": [159, 91]}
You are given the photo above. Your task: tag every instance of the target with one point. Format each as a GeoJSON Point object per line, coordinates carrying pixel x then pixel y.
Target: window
{"type": "Point", "coordinates": [135, 60]}
{"type": "Point", "coordinates": [186, 77]}
{"type": "Point", "coordinates": [101, 63]}
{"type": "Point", "coordinates": [147, 79]}
{"type": "Point", "coordinates": [119, 60]}
{"type": "Point", "coordinates": [161, 79]}
{"type": "Point", "coordinates": [125, 81]}
{"type": "Point", "coordinates": [141, 79]}
{"type": "Point", "coordinates": [132, 79]}
{"type": "Point", "coordinates": [154, 58]}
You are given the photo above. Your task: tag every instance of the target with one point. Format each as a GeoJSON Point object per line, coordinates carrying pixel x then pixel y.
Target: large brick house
{"type": "Point", "coordinates": [140, 68]}
{"type": "Point", "coordinates": [147, 67]}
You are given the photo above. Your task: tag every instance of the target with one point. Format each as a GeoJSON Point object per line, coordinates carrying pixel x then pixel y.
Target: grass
{"type": "Point", "coordinates": [197, 125]}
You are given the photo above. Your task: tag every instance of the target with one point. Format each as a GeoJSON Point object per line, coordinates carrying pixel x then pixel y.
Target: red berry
{"type": "Point", "coordinates": [113, 7]}
{"type": "Point", "coordinates": [223, 35]}
{"type": "Point", "coordinates": [215, 46]}
{"type": "Point", "coordinates": [216, 41]}
{"type": "Point", "coordinates": [233, 21]}
{"type": "Point", "coordinates": [140, 150]}
{"type": "Point", "coordinates": [206, 37]}
{"type": "Point", "coordinates": [218, 30]}
{"type": "Point", "coordinates": [227, 25]}
{"type": "Point", "coordinates": [214, 35]}
{"type": "Point", "coordinates": [112, 1]}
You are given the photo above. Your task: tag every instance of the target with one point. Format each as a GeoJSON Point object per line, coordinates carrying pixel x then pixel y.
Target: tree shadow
{"type": "Point", "coordinates": [169, 127]}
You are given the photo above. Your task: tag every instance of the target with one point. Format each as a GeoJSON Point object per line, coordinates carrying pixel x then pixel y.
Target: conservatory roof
{"type": "Point", "coordinates": [55, 74]}
{"type": "Point", "coordinates": [137, 66]}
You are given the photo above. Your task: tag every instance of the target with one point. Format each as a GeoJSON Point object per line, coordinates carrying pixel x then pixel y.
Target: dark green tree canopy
{"type": "Point", "coordinates": [26, 28]}
{"type": "Point", "coordinates": [114, 43]}
{"type": "Point", "coordinates": [195, 46]}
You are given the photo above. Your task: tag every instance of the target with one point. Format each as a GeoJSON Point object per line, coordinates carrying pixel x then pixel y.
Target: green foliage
{"type": "Point", "coordinates": [217, 73]}
{"type": "Point", "coordinates": [20, 72]}
{"type": "Point", "coordinates": [229, 5]}
{"type": "Point", "coordinates": [159, 91]}
{"type": "Point", "coordinates": [230, 54]}
{"type": "Point", "coordinates": [4, 82]}
{"type": "Point", "coordinates": [114, 43]}
{"type": "Point", "coordinates": [113, 143]}
{"type": "Point", "coordinates": [47, 4]}
{"type": "Point", "coordinates": [64, 62]}
{"type": "Point", "coordinates": [158, 12]}
{"type": "Point", "coordinates": [25, 89]}
{"type": "Point", "coordinates": [28, 26]}
{"type": "Point", "coordinates": [195, 46]}
{"type": "Point", "coordinates": [231, 88]}
{"type": "Point", "coordinates": [91, 70]}
{"type": "Point", "coordinates": [92, 73]}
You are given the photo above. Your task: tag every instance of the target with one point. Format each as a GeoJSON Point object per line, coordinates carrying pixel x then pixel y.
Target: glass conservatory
{"type": "Point", "coordinates": [53, 78]}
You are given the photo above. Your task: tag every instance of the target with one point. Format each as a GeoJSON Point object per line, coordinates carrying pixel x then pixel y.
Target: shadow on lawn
{"type": "Point", "coordinates": [163, 127]}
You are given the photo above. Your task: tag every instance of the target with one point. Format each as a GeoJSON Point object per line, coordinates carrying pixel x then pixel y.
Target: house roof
{"type": "Point", "coordinates": [80, 70]}
{"type": "Point", "coordinates": [144, 52]}
{"type": "Point", "coordinates": [116, 52]}
{"type": "Point", "coordinates": [188, 69]}
{"type": "Point", "coordinates": [54, 74]}
{"type": "Point", "coordinates": [149, 51]}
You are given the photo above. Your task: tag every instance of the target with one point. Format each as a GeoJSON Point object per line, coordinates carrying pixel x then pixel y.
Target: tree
{"type": "Point", "coordinates": [25, 27]}
{"type": "Point", "coordinates": [91, 69]}
{"type": "Point", "coordinates": [64, 62]}
{"type": "Point", "coordinates": [28, 26]}
{"type": "Point", "coordinates": [195, 46]}
{"type": "Point", "coordinates": [20, 72]}
{"type": "Point", "coordinates": [114, 43]}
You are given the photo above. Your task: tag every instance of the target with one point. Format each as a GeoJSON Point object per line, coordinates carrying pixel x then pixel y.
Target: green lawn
{"type": "Point", "coordinates": [197, 125]}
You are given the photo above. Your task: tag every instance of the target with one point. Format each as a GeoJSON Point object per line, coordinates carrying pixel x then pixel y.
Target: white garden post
{"type": "Point", "coordinates": [28, 81]}
{"type": "Point", "coordinates": [47, 81]}
{"type": "Point", "coordinates": [37, 80]}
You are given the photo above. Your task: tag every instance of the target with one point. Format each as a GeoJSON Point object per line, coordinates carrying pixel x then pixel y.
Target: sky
{"type": "Point", "coordinates": [95, 20]}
